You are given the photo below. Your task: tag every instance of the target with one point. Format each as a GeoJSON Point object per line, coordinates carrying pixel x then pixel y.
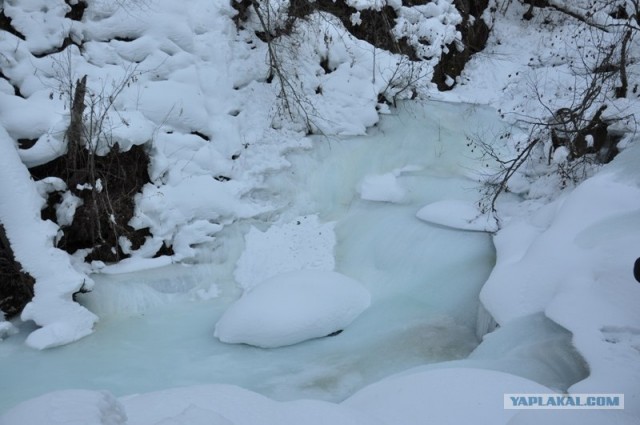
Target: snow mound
{"type": "Point", "coordinates": [68, 407]}
{"type": "Point", "coordinates": [386, 187]}
{"type": "Point", "coordinates": [231, 405]}
{"type": "Point", "coordinates": [188, 213]}
{"type": "Point", "coordinates": [292, 308]}
{"type": "Point", "coordinates": [442, 396]}
{"type": "Point", "coordinates": [458, 215]}
{"type": "Point", "coordinates": [302, 244]}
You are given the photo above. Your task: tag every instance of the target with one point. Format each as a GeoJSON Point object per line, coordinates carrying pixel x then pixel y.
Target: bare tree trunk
{"type": "Point", "coordinates": [76, 125]}
{"type": "Point", "coordinates": [624, 83]}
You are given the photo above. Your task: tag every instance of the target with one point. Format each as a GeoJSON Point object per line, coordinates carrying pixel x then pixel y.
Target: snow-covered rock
{"type": "Point", "coordinates": [383, 187]}
{"type": "Point", "coordinates": [292, 308]}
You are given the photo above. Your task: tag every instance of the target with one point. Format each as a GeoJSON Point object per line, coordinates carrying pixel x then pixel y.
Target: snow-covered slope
{"type": "Point", "coordinates": [573, 260]}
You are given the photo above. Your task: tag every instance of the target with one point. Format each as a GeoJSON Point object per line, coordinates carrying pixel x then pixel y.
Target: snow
{"type": "Point", "coordinates": [291, 308]}
{"type": "Point", "coordinates": [407, 398]}
{"type": "Point", "coordinates": [24, 118]}
{"type": "Point", "coordinates": [532, 347]}
{"type": "Point", "coordinates": [305, 243]}
{"type": "Point", "coordinates": [68, 407]}
{"type": "Point", "coordinates": [42, 22]}
{"type": "Point", "coordinates": [178, 105]}
{"type": "Point", "coordinates": [589, 289]}
{"type": "Point", "coordinates": [458, 215]}
{"type": "Point", "coordinates": [48, 147]}
{"type": "Point", "coordinates": [134, 264]}
{"type": "Point", "coordinates": [66, 209]}
{"type": "Point", "coordinates": [543, 274]}
{"type": "Point", "coordinates": [383, 187]}
{"type": "Point", "coordinates": [60, 319]}
{"type": "Point", "coordinates": [366, 4]}
{"type": "Point", "coordinates": [443, 396]}
{"type": "Point", "coordinates": [6, 328]}
{"type": "Point", "coordinates": [224, 404]}
{"type": "Point", "coordinates": [189, 212]}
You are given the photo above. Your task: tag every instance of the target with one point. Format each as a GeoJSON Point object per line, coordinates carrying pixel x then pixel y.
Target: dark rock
{"type": "Point", "coordinates": [5, 25]}
{"type": "Point", "coordinates": [77, 10]}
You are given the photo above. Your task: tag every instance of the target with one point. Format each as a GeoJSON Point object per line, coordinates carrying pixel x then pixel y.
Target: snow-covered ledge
{"type": "Point", "coordinates": [61, 319]}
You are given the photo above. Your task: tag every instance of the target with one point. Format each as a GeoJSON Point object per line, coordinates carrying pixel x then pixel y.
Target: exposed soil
{"type": "Point", "coordinates": [106, 211]}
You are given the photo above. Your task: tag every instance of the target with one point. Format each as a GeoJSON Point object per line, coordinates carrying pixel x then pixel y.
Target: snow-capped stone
{"type": "Point", "coordinates": [292, 308]}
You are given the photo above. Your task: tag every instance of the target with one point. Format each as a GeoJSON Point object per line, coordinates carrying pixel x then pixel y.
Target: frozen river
{"type": "Point", "coordinates": [156, 327]}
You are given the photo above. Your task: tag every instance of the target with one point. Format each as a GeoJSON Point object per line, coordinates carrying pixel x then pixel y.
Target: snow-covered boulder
{"type": "Point", "coordinates": [386, 187]}
{"type": "Point", "coordinates": [382, 188]}
{"type": "Point", "coordinates": [292, 308]}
